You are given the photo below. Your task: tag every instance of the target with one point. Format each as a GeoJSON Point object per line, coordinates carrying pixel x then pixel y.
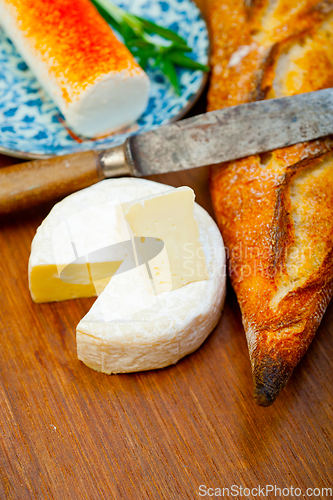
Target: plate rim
{"type": "Point", "coordinates": [24, 155]}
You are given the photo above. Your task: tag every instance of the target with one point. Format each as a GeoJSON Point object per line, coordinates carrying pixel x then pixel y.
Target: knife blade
{"type": "Point", "coordinates": [206, 139]}
{"type": "Point", "coordinates": [232, 133]}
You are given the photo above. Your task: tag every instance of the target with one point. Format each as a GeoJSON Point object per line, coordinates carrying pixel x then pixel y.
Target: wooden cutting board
{"type": "Point", "coordinates": [68, 432]}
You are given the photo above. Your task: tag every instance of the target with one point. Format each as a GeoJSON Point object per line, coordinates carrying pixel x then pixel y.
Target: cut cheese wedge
{"type": "Point", "coordinates": [141, 319]}
{"type": "Point", "coordinates": [169, 216]}
{"type": "Point", "coordinates": [89, 74]}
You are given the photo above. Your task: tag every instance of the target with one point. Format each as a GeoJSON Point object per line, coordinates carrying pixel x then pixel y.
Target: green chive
{"type": "Point", "coordinates": [170, 71]}
{"type": "Point", "coordinates": [151, 27]}
{"type": "Point", "coordinates": [186, 62]}
{"type": "Point", "coordinates": [139, 42]}
{"type": "Point", "coordinates": [137, 32]}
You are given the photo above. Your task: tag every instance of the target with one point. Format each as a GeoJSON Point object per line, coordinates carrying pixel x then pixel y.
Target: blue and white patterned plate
{"type": "Point", "coordinates": [30, 124]}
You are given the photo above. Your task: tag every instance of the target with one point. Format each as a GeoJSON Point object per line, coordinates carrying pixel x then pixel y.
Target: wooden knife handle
{"type": "Point", "coordinates": [28, 184]}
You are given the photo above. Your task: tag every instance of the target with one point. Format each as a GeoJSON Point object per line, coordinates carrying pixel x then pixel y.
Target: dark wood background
{"type": "Point", "coordinates": [67, 432]}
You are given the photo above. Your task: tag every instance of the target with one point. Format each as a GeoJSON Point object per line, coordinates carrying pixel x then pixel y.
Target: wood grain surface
{"type": "Point", "coordinates": [68, 432]}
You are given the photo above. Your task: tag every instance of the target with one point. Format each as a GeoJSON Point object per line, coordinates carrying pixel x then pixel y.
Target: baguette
{"type": "Point", "coordinates": [275, 210]}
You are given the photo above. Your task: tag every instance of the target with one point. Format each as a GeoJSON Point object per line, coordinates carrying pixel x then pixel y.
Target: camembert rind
{"type": "Point", "coordinates": [89, 74]}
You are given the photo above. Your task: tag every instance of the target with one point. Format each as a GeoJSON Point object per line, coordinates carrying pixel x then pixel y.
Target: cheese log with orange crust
{"type": "Point", "coordinates": [89, 74]}
{"type": "Point", "coordinates": [275, 210]}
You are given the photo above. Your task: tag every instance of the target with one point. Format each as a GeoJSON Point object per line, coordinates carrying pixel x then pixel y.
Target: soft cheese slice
{"type": "Point", "coordinates": [89, 74]}
{"type": "Point", "coordinates": [169, 216]}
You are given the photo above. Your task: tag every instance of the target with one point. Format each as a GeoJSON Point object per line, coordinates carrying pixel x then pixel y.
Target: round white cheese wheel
{"type": "Point", "coordinates": [166, 327]}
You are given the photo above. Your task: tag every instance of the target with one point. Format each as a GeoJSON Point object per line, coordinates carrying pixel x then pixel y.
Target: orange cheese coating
{"type": "Point", "coordinates": [75, 41]}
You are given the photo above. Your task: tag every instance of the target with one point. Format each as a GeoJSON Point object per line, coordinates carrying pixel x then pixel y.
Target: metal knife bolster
{"type": "Point", "coordinates": [118, 161]}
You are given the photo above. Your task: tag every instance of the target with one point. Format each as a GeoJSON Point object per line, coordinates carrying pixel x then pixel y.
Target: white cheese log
{"type": "Point", "coordinates": [89, 74]}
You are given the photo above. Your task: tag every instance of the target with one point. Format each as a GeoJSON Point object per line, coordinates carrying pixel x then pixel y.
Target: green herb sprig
{"type": "Point", "coordinates": [138, 34]}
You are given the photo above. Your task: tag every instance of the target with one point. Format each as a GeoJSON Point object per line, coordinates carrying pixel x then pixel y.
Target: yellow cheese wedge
{"type": "Point", "coordinates": [169, 217]}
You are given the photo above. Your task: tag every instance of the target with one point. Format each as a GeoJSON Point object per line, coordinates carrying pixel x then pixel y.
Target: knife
{"type": "Point", "coordinates": [206, 139]}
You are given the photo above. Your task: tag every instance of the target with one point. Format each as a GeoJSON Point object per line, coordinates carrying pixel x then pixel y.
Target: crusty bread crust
{"type": "Point", "coordinates": [249, 41]}
{"type": "Point", "coordinates": [275, 210]}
